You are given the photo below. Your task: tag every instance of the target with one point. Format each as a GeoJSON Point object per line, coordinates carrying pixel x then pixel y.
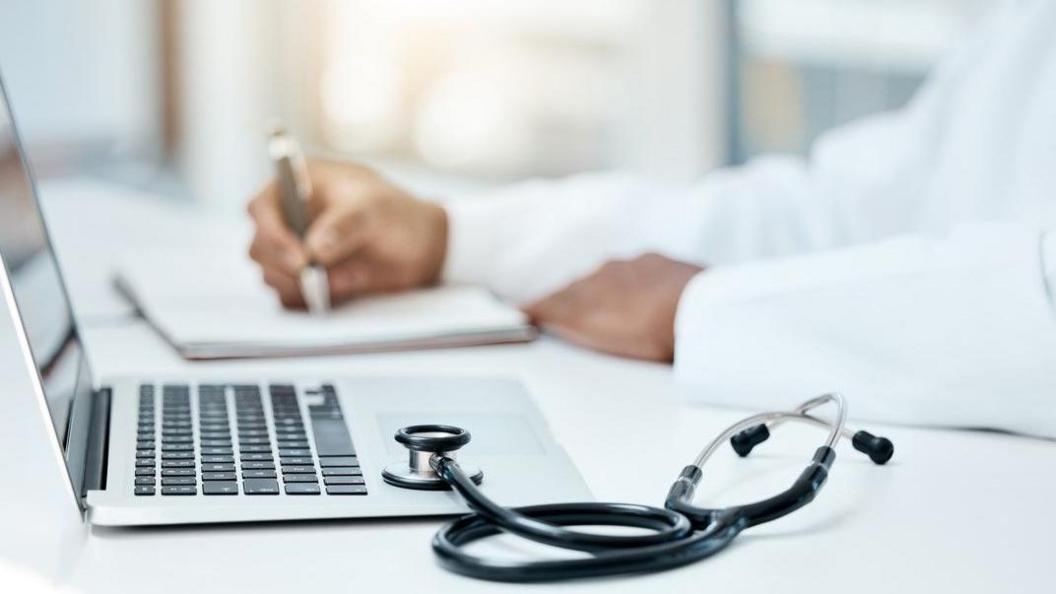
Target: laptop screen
{"type": "Point", "coordinates": [41, 298]}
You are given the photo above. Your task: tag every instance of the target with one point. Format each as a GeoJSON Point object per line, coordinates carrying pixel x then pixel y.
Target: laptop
{"type": "Point", "coordinates": [176, 450]}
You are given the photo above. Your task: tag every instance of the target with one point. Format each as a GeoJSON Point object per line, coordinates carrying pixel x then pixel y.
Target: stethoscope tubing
{"type": "Point", "coordinates": [673, 545]}
{"type": "Point", "coordinates": [666, 525]}
{"type": "Point", "coordinates": [680, 533]}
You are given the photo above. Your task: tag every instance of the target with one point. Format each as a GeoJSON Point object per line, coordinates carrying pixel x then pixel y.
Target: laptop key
{"type": "Point", "coordinates": [218, 476]}
{"type": "Point", "coordinates": [332, 438]}
{"type": "Point", "coordinates": [299, 478]}
{"type": "Point", "coordinates": [343, 480]}
{"type": "Point", "coordinates": [145, 480]}
{"type": "Point", "coordinates": [177, 463]}
{"type": "Point", "coordinates": [260, 486]}
{"type": "Point", "coordinates": [218, 459]}
{"type": "Point", "coordinates": [257, 457]}
{"type": "Point", "coordinates": [296, 461]}
{"type": "Point", "coordinates": [257, 473]}
{"type": "Point", "coordinates": [287, 452]}
{"type": "Point", "coordinates": [145, 453]}
{"type": "Point", "coordinates": [342, 472]}
{"type": "Point", "coordinates": [172, 481]}
{"type": "Point", "coordinates": [253, 433]}
{"type": "Point", "coordinates": [215, 443]}
{"type": "Point", "coordinates": [346, 490]}
{"type": "Point", "coordinates": [177, 472]}
{"type": "Point", "coordinates": [144, 472]}
{"type": "Point", "coordinates": [216, 451]}
{"type": "Point", "coordinates": [144, 490]}
{"type": "Point", "coordinates": [218, 467]}
{"type": "Point", "coordinates": [145, 462]}
{"type": "Point", "coordinates": [298, 469]}
{"type": "Point", "coordinates": [180, 490]}
{"type": "Point", "coordinates": [255, 449]}
{"type": "Point", "coordinates": [220, 488]}
{"type": "Point", "coordinates": [302, 489]}
{"type": "Point", "coordinates": [215, 435]}
{"type": "Point", "coordinates": [339, 461]}
{"type": "Point", "coordinates": [177, 455]}
{"type": "Point", "coordinates": [257, 465]}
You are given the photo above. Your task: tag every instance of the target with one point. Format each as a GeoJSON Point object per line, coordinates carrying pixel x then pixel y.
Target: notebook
{"type": "Point", "coordinates": [213, 305]}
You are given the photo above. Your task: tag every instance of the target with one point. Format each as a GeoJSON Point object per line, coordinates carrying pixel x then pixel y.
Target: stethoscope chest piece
{"type": "Point", "coordinates": [423, 442]}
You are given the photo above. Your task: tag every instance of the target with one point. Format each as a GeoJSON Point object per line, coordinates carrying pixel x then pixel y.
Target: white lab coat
{"type": "Point", "coordinates": [901, 263]}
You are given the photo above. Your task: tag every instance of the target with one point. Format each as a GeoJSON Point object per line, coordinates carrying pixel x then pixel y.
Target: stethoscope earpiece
{"type": "Point", "coordinates": [879, 449]}
{"type": "Point", "coordinates": [424, 444]}
{"type": "Point", "coordinates": [744, 442]}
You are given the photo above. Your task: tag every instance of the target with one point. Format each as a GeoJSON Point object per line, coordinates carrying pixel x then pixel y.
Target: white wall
{"type": "Point", "coordinates": [229, 75]}
{"type": "Point", "coordinates": [83, 71]}
{"type": "Point", "coordinates": [675, 126]}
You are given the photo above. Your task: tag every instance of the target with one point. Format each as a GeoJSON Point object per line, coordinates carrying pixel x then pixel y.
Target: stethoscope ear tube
{"type": "Point", "coordinates": [802, 491]}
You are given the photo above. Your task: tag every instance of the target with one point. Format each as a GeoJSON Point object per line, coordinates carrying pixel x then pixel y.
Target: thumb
{"type": "Point", "coordinates": [336, 233]}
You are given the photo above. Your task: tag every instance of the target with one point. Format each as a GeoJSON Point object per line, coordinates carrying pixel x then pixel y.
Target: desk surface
{"type": "Point", "coordinates": [954, 511]}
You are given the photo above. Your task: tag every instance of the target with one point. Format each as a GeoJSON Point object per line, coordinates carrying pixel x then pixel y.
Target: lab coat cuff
{"type": "Point", "coordinates": [688, 315]}
{"type": "Point", "coordinates": [470, 241]}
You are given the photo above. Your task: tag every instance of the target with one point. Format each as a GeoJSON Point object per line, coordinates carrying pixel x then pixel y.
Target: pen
{"type": "Point", "coordinates": [295, 188]}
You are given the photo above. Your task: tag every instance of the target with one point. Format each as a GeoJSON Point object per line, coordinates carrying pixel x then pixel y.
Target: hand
{"type": "Point", "coordinates": [626, 307]}
{"type": "Point", "coordinates": [369, 234]}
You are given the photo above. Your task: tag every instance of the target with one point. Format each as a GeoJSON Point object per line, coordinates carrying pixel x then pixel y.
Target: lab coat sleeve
{"type": "Point", "coordinates": [861, 183]}
{"type": "Point", "coordinates": [534, 237]}
{"type": "Point", "coordinates": [953, 331]}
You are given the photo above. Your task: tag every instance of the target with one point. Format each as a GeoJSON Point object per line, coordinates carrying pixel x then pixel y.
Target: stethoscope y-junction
{"type": "Point", "coordinates": [677, 534]}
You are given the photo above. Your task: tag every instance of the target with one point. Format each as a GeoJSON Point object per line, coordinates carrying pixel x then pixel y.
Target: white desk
{"type": "Point", "coordinates": [953, 512]}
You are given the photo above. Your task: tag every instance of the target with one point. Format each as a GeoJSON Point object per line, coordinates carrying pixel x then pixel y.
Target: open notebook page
{"type": "Point", "coordinates": [211, 306]}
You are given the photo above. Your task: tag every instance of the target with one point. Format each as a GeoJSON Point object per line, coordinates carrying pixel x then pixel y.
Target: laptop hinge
{"type": "Point", "coordinates": [98, 443]}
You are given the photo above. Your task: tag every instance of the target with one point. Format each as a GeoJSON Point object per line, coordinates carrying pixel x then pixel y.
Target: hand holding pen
{"type": "Point", "coordinates": [369, 235]}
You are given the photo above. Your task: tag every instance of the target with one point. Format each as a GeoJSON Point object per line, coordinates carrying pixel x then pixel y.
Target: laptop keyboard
{"type": "Point", "coordinates": [200, 451]}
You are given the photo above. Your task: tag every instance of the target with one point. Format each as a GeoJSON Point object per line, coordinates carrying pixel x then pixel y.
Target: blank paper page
{"type": "Point", "coordinates": [199, 298]}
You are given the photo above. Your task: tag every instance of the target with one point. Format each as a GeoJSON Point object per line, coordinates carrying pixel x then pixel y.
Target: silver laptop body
{"type": "Point", "coordinates": [151, 451]}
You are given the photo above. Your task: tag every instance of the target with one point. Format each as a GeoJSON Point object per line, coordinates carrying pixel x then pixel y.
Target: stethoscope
{"type": "Point", "coordinates": [678, 534]}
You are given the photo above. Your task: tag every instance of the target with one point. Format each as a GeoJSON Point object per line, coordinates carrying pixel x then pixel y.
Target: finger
{"type": "Point", "coordinates": [273, 237]}
{"type": "Point", "coordinates": [363, 275]}
{"type": "Point", "coordinates": [556, 308]}
{"type": "Point", "coordinates": [338, 232]}
{"type": "Point", "coordinates": [269, 253]}
{"type": "Point", "coordinates": [286, 286]}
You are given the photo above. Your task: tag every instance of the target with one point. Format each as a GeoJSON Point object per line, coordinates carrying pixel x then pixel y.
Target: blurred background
{"type": "Point", "coordinates": [176, 96]}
